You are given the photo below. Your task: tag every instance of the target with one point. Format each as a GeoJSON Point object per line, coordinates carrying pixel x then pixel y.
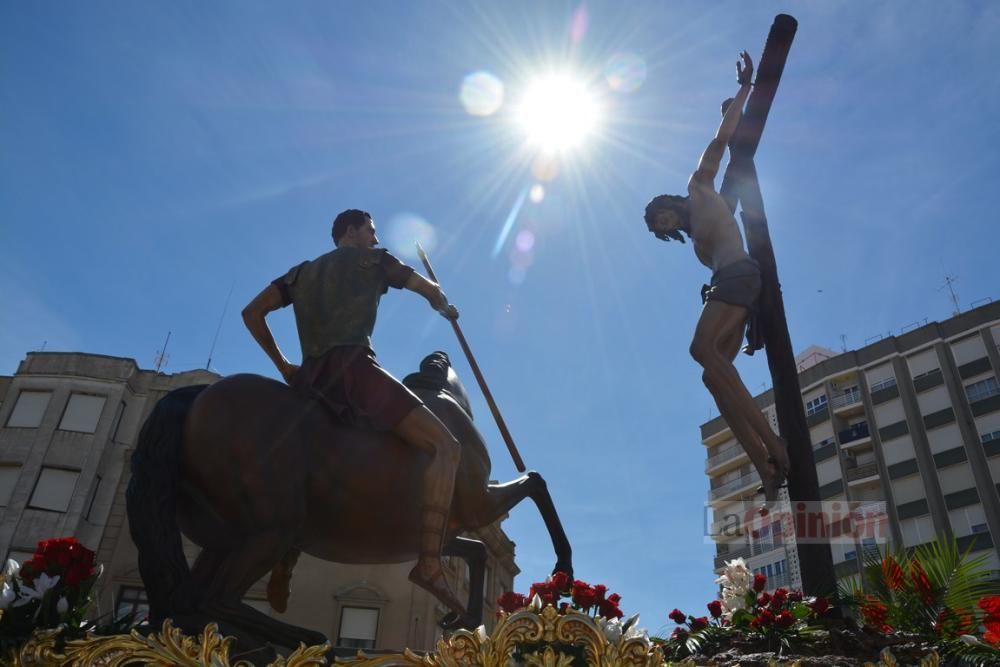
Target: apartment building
{"type": "Point", "coordinates": [69, 425]}
{"type": "Point", "coordinates": [906, 429]}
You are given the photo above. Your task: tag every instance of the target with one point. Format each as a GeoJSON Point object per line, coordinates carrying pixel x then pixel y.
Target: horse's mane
{"type": "Point", "coordinates": [436, 374]}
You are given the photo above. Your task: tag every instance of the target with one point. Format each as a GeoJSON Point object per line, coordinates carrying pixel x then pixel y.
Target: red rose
{"type": "Point", "coordinates": [759, 582]}
{"type": "Point", "coordinates": [785, 620]}
{"type": "Point", "coordinates": [699, 623]}
{"type": "Point", "coordinates": [679, 634]}
{"type": "Point", "coordinates": [600, 590]}
{"type": "Point", "coordinates": [764, 599]}
{"type": "Point", "coordinates": [992, 635]}
{"type": "Point", "coordinates": [614, 598]}
{"type": "Point", "coordinates": [780, 594]}
{"type": "Point", "coordinates": [795, 596]}
{"type": "Point", "coordinates": [715, 608]}
{"type": "Point", "coordinates": [677, 616]}
{"type": "Point", "coordinates": [874, 613]}
{"type": "Point", "coordinates": [820, 606]}
{"type": "Point", "coordinates": [511, 602]}
{"type": "Point", "coordinates": [991, 605]}
{"type": "Point", "coordinates": [545, 591]}
{"type": "Point", "coordinates": [583, 595]}
{"type": "Point", "coordinates": [609, 609]}
{"type": "Point", "coordinates": [561, 582]}
{"type": "Point", "coordinates": [765, 618]}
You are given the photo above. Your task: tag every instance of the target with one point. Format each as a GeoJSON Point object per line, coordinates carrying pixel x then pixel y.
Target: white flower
{"type": "Point", "coordinates": [42, 583]}
{"type": "Point", "coordinates": [612, 629]}
{"type": "Point", "coordinates": [969, 639]}
{"type": "Point", "coordinates": [636, 632]}
{"type": "Point", "coordinates": [735, 581]}
{"type": "Point", "coordinates": [6, 595]}
{"type": "Point", "coordinates": [62, 606]}
{"type": "Point", "coordinates": [11, 569]}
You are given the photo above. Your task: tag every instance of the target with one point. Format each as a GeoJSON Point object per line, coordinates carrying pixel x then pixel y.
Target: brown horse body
{"type": "Point", "coordinates": [251, 471]}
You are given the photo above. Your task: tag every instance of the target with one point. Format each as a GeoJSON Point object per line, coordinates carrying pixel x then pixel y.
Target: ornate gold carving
{"type": "Point", "coordinates": [541, 639]}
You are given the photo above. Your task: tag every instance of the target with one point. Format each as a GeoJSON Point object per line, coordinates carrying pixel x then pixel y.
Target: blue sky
{"type": "Point", "coordinates": [157, 155]}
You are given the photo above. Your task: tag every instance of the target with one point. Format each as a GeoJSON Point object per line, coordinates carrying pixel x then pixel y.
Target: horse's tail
{"type": "Point", "coordinates": [151, 502]}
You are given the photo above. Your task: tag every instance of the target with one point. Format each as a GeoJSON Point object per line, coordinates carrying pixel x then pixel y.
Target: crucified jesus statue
{"type": "Point", "coordinates": [730, 300]}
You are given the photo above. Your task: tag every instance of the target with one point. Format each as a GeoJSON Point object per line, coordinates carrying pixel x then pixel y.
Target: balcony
{"type": "Point", "coordinates": [731, 454]}
{"type": "Point", "coordinates": [855, 436]}
{"type": "Point", "coordinates": [759, 548]}
{"type": "Point", "coordinates": [742, 552]}
{"type": "Point", "coordinates": [862, 473]}
{"type": "Point", "coordinates": [782, 580]}
{"type": "Point", "coordinates": [847, 402]}
{"type": "Point", "coordinates": [735, 486]}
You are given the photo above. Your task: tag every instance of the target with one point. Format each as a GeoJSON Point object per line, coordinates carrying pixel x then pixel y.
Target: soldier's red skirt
{"type": "Point", "coordinates": [350, 382]}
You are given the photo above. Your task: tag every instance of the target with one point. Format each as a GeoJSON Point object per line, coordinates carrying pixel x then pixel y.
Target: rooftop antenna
{"type": "Point", "coordinates": [211, 351]}
{"type": "Point", "coordinates": [843, 342]}
{"type": "Point", "coordinates": [948, 282]}
{"type": "Point", "coordinates": [161, 355]}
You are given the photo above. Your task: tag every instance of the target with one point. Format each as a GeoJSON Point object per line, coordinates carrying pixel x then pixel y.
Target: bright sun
{"type": "Point", "coordinates": [557, 112]}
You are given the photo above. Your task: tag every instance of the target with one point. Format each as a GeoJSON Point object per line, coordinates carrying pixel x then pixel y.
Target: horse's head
{"type": "Point", "coordinates": [437, 374]}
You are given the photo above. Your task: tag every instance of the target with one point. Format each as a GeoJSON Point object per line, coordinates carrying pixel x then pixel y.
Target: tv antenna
{"type": "Point", "coordinates": [161, 355]}
{"type": "Point", "coordinates": [950, 280]}
{"type": "Point", "coordinates": [211, 351]}
{"type": "Point", "coordinates": [843, 342]}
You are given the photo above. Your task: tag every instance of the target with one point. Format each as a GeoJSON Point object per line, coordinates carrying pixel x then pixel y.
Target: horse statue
{"type": "Point", "coordinates": [254, 473]}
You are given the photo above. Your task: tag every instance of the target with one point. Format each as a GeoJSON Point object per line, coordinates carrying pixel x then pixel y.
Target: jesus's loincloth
{"type": "Point", "coordinates": [739, 284]}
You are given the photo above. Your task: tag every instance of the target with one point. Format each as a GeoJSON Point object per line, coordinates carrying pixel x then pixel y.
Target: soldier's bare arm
{"type": "Point", "coordinates": [432, 292]}
{"type": "Point", "coordinates": [708, 166]}
{"type": "Point", "coordinates": [254, 317]}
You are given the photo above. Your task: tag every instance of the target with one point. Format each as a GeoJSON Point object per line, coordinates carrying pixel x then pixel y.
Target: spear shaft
{"type": "Point", "coordinates": [511, 447]}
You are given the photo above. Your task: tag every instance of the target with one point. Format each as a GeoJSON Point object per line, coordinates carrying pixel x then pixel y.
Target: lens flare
{"type": "Point", "coordinates": [578, 24]}
{"type": "Point", "coordinates": [625, 72]}
{"type": "Point", "coordinates": [558, 112]}
{"type": "Point", "coordinates": [406, 229]}
{"type": "Point", "coordinates": [524, 241]}
{"type": "Point", "coordinates": [537, 193]}
{"type": "Point", "coordinates": [481, 94]}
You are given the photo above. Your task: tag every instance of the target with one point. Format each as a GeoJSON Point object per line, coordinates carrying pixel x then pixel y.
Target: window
{"type": "Point", "coordinates": [883, 384]}
{"type": "Point", "coordinates": [8, 478]}
{"type": "Point", "coordinates": [817, 404]}
{"type": "Point", "coordinates": [850, 555]}
{"type": "Point", "coordinates": [995, 435]}
{"type": "Point", "coordinates": [358, 626]}
{"type": "Point", "coordinates": [977, 391]}
{"type": "Point", "coordinates": [823, 443]}
{"type": "Point", "coordinates": [54, 489]}
{"type": "Point", "coordinates": [488, 584]}
{"type": "Point", "coordinates": [132, 603]}
{"type": "Point", "coordinates": [28, 410]}
{"type": "Point", "coordinates": [82, 413]}
{"type": "Point", "coordinates": [980, 528]}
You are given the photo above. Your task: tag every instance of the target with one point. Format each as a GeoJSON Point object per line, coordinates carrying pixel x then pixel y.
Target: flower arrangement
{"type": "Point", "coordinates": [934, 591]}
{"type": "Point", "coordinates": [592, 600]}
{"type": "Point", "coordinates": [52, 588]}
{"type": "Point", "coordinates": [589, 599]}
{"type": "Point", "coordinates": [747, 614]}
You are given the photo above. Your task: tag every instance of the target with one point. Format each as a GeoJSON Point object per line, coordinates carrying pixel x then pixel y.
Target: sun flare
{"type": "Point", "coordinates": [557, 112]}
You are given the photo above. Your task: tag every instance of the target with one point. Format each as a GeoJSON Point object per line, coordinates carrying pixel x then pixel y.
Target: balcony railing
{"type": "Point", "coordinates": [846, 399]}
{"type": "Point", "coordinates": [759, 548]}
{"type": "Point", "coordinates": [735, 485]}
{"type": "Point", "coordinates": [779, 581]}
{"type": "Point", "coordinates": [722, 457]}
{"type": "Point", "coordinates": [742, 552]}
{"type": "Point", "coordinates": [856, 432]}
{"type": "Point", "coordinates": [862, 471]}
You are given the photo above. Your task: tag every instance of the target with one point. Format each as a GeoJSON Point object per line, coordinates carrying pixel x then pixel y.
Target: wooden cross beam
{"type": "Point", "coordinates": [740, 184]}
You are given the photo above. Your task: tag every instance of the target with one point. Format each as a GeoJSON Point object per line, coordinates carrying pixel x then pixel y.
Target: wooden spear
{"type": "Point", "coordinates": [501, 424]}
